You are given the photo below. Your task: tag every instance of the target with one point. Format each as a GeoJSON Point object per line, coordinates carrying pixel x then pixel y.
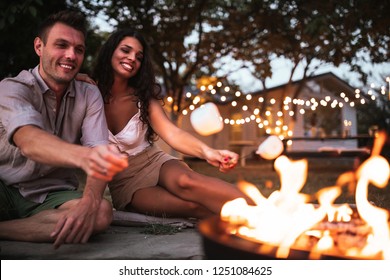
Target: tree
{"type": "Point", "coordinates": [19, 20]}
{"type": "Point", "coordinates": [192, 39]}
{"type": "Point", "coordinates": [186, 37]}
{"type": "Point", "coordinates": [311, 34]}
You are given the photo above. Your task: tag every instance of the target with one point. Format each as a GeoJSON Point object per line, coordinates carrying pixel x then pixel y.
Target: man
{"type": "Point", "coordinates": [50, 125]}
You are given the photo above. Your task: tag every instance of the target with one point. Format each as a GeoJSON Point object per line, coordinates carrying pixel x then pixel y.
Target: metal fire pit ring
{"type": "Point", "coordinates": [219, 245]}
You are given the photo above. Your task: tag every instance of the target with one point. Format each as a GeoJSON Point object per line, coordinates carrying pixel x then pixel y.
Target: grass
{"type": "Point", "coordinates": [321, 173]}
{"type": "Point", "coordinates": [160, 229]}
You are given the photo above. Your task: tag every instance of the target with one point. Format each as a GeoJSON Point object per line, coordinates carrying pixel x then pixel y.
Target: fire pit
{"type": "Point", "coordinates": [220, 243]}
{"type": "Point", "coordinates": [292, 225]}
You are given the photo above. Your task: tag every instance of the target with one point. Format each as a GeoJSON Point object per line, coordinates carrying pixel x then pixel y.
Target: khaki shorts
{"type": "Point", "coordinates": [143, 172]}
{"type": "Point", "coordinates": [14, 206]}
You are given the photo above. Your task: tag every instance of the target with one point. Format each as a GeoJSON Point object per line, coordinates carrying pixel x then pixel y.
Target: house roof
{"type": "Point", "coordinates": [328, 80]}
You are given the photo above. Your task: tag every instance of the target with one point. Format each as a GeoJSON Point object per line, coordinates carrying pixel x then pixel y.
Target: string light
{"type": "Point", "coordinates": [280, 127]}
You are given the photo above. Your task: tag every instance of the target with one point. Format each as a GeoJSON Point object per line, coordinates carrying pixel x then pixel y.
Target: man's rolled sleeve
{"type": "Point", "coordinates": [16, 110]}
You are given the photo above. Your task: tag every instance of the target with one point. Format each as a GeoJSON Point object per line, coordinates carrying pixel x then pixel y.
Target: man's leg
{"type": "Point", "coordinates": [38, 227]}
{"type": "Point", "coordinates": [24, 220]}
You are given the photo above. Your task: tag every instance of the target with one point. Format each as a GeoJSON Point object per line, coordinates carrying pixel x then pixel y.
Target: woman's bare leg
{"type": "Point", "coordinates": [157, 201]}
{"type": "Point", "coordinates": [189, 185]}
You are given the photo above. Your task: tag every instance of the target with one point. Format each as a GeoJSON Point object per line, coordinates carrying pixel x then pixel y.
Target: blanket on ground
{"type": "Point", "coordinates": [122, 218]}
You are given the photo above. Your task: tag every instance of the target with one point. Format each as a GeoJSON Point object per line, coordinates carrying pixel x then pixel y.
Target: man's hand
{"type": "Point", "coordinates": [103, 162]}
{"type": "Point", "coordinates": [77, 223]}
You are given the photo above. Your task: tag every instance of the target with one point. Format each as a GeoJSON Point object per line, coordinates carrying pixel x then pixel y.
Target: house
{"type": "Point", "coordinates": [321, 109]}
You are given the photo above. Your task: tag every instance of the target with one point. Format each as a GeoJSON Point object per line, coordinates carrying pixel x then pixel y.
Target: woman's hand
{"type": "Point", "coordinates": [85, 78]}
{"type": "Point", "coordinates": [223, 159]}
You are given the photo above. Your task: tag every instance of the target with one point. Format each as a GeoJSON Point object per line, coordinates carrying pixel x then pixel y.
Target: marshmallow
{"type": "Point", "coordinates": [206, 119]}
{"type": "Point", "coordinates": [270, 148]}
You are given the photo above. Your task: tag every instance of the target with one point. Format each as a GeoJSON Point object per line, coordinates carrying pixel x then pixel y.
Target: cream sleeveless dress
{"type": "Point", "coordinates": [145, 161]}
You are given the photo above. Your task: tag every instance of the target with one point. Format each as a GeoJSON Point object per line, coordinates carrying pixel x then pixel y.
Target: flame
{"type": "Point", "coordinates": [287, 219]}
{"type": "Point", "coordinates": [288, 207]}
{"type": "Point", "coordinates": [292, 174]}
{"type": "Point", "coordinates": [324, 245]}
{"type": "Point", "coordinates": [375, 170]}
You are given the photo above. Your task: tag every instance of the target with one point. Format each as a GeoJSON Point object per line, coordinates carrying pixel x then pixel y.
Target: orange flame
{"type": "Point", "coordinates": [281, 219]}
{"type": "Point", "coordinates": [375, 170]}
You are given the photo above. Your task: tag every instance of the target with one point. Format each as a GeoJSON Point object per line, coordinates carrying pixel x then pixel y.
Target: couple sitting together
{"type": "Point", "coordinates": [52, 124]}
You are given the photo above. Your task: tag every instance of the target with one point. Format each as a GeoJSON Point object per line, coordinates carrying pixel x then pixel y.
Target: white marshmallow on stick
{"type": "Point", "coordinates": [206, 119]}
{"type": "Point", "coordinates": [270, 148]}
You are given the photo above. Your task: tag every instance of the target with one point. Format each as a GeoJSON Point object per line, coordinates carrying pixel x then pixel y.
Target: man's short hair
{"type": "Point", "coordinates": [71, 18]}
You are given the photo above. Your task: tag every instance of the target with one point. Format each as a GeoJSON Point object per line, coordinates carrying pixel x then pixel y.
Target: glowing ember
{"type": "Point", "coordinates": [287, 220]}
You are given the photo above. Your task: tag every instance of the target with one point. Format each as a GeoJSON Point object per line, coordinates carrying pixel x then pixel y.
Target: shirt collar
{"type": "Point", "coordinates": [45, 88]}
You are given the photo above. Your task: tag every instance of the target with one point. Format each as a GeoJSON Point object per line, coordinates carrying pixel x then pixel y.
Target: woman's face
{"type": "Point", "coordinates": [127, 58]}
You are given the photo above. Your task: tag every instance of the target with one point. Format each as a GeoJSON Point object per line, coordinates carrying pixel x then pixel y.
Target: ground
{"type": "Point", "coordinates": [120, 242]}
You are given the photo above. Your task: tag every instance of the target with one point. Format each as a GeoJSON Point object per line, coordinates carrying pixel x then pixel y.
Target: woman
{"type": "Point", "coordinates": [155, 182]}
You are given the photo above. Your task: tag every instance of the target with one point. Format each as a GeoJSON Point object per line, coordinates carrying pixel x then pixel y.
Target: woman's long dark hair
{"type": "Point", "coordinates": [144, 82]}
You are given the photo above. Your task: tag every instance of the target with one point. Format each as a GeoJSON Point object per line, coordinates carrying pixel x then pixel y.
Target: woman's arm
{"type": "Point", "coordinates": [85, 78]}
{"type": "Point", "coordinates": [186, 143]}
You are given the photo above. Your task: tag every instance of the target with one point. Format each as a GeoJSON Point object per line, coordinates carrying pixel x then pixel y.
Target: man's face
{"type": "Point", "coordinates": [62, 55]}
